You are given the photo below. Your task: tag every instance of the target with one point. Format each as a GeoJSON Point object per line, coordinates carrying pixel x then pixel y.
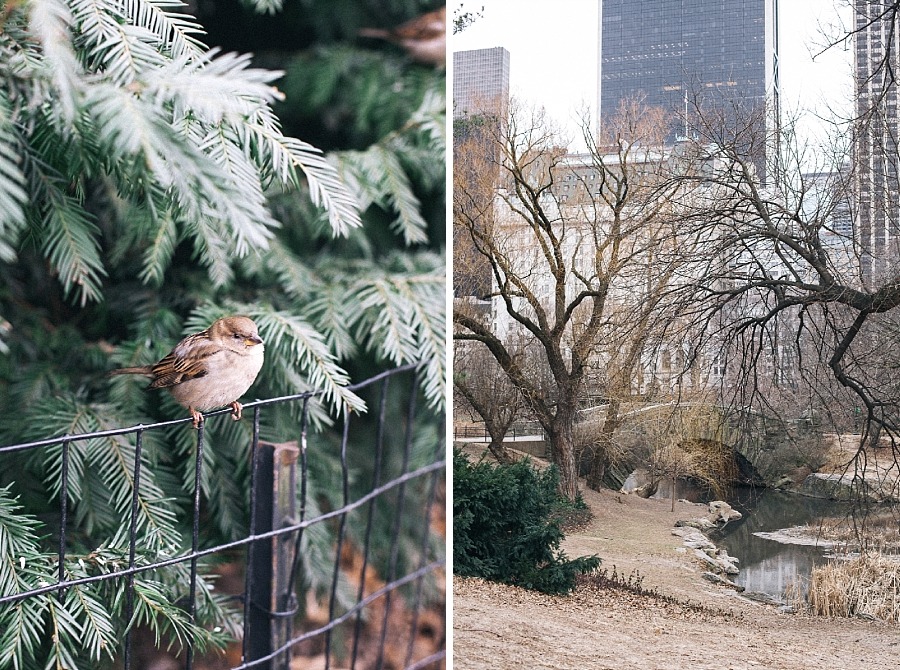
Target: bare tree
{"type": "Point", "coordinates": [487, 392]}
{"type": "Point", "coordinates": [573, 247]}
{"type": "Point", "coordinates": [783, 273]}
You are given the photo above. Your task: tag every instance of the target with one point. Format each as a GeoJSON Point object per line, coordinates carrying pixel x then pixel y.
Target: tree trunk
{"type": "Point", "coordinates": [562, 447]}
{"type": "Point", "coordinates": [601, 459]}
{"type": "Point", "coordinates": [500, 452]}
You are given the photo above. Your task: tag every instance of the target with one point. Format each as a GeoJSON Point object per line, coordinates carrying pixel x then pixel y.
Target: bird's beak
{"type": "Point", "coordinates": [253, 340]}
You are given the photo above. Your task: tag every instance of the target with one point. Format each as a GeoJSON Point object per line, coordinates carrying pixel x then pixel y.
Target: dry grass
{"type": "Point", "coordinates": [876, 530]}
{"type": "Point", "coordinates": [867, 586]}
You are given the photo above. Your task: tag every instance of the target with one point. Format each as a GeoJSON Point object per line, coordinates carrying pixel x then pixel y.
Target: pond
{"type": "Point", "coordinates": [766, 565]}
{"type": "Point", "coordinates": [769, 566]}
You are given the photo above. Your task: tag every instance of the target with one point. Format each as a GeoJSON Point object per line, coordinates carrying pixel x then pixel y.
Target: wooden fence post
{"type": "Point", "coordinates": [270, 618]}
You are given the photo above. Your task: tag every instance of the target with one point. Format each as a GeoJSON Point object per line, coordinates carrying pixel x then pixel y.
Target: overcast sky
{"type": "Point", "coordinates": [544, 38]}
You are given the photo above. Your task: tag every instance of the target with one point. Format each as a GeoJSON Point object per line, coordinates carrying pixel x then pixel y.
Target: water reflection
{"type": "Point", "coordinates": [768, 566]}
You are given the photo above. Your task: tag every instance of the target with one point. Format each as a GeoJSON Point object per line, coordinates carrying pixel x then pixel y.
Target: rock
{"type": "Point", "coordinates": [692, 537]}
{"type": "Point", "coordinates": [837, 487]}
{"type": "Point", "coordinates": [701, 524]}
{"type": "Point", "coordinates": [705, 549]}
{"type": "Point", "coordinates": [720, 512]}
{"type": "Point", "coordinates": [784, 483]}
{"type": "Point", "coordinates": [719, 564]}
{"type": "Point", "coordinates": [719, 579]}
{"type": "Point", "coordinates": [648, 490]}
{"type": "Point", "coordinates": [764, 598]}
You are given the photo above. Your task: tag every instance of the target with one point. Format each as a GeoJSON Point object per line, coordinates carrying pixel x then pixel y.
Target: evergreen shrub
{"type": "Point", "coordinates": [505, 526]}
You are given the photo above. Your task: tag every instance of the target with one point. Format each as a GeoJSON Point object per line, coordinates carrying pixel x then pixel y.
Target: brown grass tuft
{"type": "Point", "coordinates": [867, 586]}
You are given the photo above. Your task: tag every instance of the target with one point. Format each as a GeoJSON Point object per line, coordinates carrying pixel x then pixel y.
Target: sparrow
{"type": "Point", "coordinates": [209, 369]}
{"type": "Point", "coordinates": [424, 37]}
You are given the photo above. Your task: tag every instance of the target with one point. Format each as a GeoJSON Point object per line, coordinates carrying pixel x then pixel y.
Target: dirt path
{"type": "Point", "coordinates": [499, 627]}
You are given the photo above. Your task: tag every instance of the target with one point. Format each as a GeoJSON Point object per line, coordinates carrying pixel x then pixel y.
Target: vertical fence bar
{"type": "Point", "coordinates": [132, 540]}
{"type": "Point", "coordinates": [370, 518]}
{"type": "Point", "coordinates": [345, 500]}
{"type": "Point", "coordinates": [271, 610]}
{"type": "Point", "coordinates": [195, 543]}
{"type": "Point", "coordinates": [251, 548]}
{"type": "Point", "coordinates": [258, 624]}
{"type": "Point", "coordinates": [398, 517]}
{"type": "Point", "coordinates": [424, 555]}
{"type": "Point", "coordinates": [63, 514]}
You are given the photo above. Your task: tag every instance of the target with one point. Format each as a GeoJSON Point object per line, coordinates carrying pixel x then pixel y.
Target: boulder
{"type": "Point", "coordinates": [720, 512]}
{"type": "Point", "coordinates": [700, 524]}
{"type": "Point", "coordinates": [837, 487]}
{"type": "Point", "coordinates": [719, 579]}
{"type": "Point", "coordinates": [693, 538]}
{"type": "Point", "coordinates": [717, 560]}
{"type": "Point", "coordinates": [784, 483]}
{"type": "Point", "coordinates": [721, 563]}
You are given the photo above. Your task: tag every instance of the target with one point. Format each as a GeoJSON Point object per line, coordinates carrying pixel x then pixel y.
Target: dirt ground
{"type": "Point", "coordinates": [706, 627]}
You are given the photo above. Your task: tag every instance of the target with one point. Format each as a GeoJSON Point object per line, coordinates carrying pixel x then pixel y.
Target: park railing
{"type": "Point", "coordinates": [391, 616]}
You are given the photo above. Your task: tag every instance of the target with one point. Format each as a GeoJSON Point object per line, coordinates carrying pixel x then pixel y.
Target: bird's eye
{"type": "Point", "coordinates": [237, 336]}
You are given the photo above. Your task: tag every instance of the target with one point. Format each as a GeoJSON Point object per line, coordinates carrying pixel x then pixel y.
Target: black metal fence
{"type": "Point", "coordinates": [379, 614]}
{"type": "Point", "coordinates": [516, 431]}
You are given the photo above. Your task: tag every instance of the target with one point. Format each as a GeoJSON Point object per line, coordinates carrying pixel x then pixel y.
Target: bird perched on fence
{"type": "Point", "coordinates": [209, 369]}
{"type": "Point", "coordinates": [424, 37]}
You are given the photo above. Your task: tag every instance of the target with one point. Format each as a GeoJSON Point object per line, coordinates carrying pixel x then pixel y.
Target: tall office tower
{"type": "Point", "coordinates": [876, 153]}
{"type": "Point", "coordinates": [481, 82]}
{"type": "Point", "coordinates": [480, 105]}
{"type": "Point", "coordinates": [671, 53]}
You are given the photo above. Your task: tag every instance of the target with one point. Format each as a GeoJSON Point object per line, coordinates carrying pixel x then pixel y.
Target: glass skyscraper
{"type": "Point", "coordinates": [672, 53]}
{"type": "Point", "coordinates": [481, 82]}
{"type": "Point", "coordinates": [877, 148]}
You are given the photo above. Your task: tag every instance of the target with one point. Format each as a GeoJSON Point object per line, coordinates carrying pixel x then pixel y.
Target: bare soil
{"type": "Point", "coordinates": [697, 625]}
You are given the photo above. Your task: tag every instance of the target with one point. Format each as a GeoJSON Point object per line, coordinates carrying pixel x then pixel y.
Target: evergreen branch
{"type": "Point", "coordinates": [98, 635]}
{"type": "Point", "coordinates": [297, 344]}
{"type": "Point", "coordinates": [204, 190]}
{"type": "Point", "coordinates": [267, 6]}
{"type": "Point", "coordinates": [49, 24]}
{"type": "Point", "coordinates": [381, 179]}
{"type": "Point", "coordinates": [69, 241]}
{"type": "Point", "coordinates": [127, 55]}
{"type": "Point", "coordinates": [211, 247]}
{"type": "Point", "coordinates": [64, 636]}
{"type": "Point", "coordinates": [326, 189]}
{"type": "Point", "coordinates": [404, 318]}
{"type": "Point", "coordinates": [335, 318]}
{"type": "Point", "coordinates": [13, 196]}
{"type": "Point", "coordinates": [296, 278]}
{"type": "Point", "coordinates": [399, 192]}
{"type": "Point", "coordinates": [18, 539]}
{"type": "Point", "coordinates": [425, 294]}
{"type": "Point", "coordinates": [388, 322]}
{"type": "Point", "coordinates": [159, 252]}
{"type": "Point", "coordinates": [174, 30]}
{"type": "Point", "coordinates": [431, 118]}
{"type": "Point", "coordinates": [21, 633]}
{"type": "Point", "coordinates": [97, 22]}
{"type": "Point", "coordinates": [214, 88]}
{"type": "Point", "coordinates": [154, 608]}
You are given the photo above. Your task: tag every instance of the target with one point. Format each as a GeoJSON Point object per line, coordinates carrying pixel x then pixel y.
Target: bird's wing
{"type": "Point", "coordinates": [188, 360]}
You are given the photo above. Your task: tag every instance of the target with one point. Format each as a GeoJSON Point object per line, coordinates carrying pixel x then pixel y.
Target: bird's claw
{"type": "Point", "coordinates": [236, 410]}
{"type": "Point", "coordinates": [196, 416]}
